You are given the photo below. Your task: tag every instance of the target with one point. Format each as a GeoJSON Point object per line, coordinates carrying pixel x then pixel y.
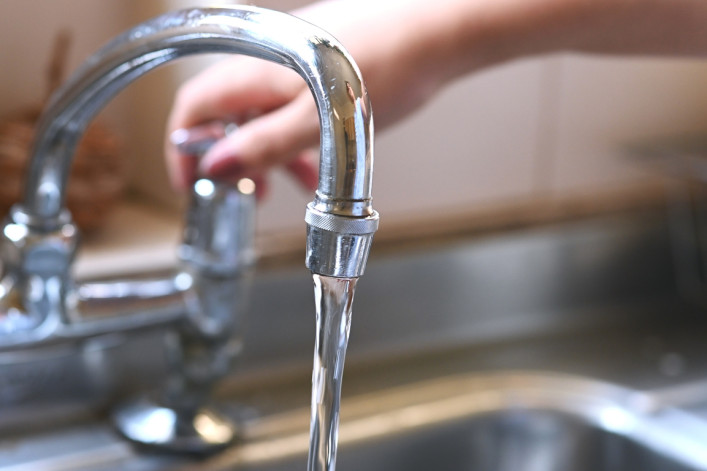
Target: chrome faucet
{"type": "Point", "coordinates": [41, 303]}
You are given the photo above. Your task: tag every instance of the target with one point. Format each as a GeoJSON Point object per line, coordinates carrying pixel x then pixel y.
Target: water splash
{"type": "Point", "coordinates": [333, 297]}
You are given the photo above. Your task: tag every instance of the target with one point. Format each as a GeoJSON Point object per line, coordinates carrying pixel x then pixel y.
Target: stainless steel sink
{"type": "Point", "coordinates": [510, 421]}
{"type": "Point", "coordinates": [557, 348]}
{"type": "Point", "coordinates": [514, 440]}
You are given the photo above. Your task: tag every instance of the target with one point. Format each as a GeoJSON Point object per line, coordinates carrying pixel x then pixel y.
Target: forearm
{"type": "Point", "coordinates": [465, 35]}
{"type": "Point", "coordinates": [407, 50]}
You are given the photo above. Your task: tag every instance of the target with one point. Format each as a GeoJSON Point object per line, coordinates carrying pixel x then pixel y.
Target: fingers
{"type": "Point", "coordinates": [305, 169]}
{"type": "Point", "coordinates": [192, 143]}
{"type": "Point", "coordinates": [234, 87]}
{"type": "Point", "coordinates": [280, 137]}
{"type": "Point", "coordinates": [233, 90]}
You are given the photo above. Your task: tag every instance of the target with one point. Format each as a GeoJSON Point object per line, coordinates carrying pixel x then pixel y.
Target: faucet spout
{"type": "Point", "coordinates": [341, 220]}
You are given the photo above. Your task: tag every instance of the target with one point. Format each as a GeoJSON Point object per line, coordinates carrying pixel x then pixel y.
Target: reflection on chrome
{"type": "Point", "coordinates": [202, 304]}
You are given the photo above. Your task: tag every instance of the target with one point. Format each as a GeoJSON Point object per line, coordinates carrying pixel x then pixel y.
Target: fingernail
{"type": "Point", "coordinates": [179, 137]}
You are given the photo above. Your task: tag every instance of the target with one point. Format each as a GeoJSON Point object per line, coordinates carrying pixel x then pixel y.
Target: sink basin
{"type": "Point", "coordinates": [549, 349]}
{"type": "Point", "coordinates": [515, 422]}
{"type": "Point", "coordinates": [520, 440]}
{"type": "Point", "coordinates": [517, 440]}
{"type": "Point", "coordinates": [500, 421]}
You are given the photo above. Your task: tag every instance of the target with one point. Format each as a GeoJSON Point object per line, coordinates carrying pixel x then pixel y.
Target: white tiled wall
{"type": "Point", "coordinates": [603, 104]}
{"type": "Point", "coordinates": [543, 126]}
{"type": "Point", "coordinates": [473, 144]}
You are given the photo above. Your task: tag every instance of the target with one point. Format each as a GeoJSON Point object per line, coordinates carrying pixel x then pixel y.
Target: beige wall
{"type": "Point", "coordinates": [28, 29]}
{"type": "Point", "coordinates": [544, 126]}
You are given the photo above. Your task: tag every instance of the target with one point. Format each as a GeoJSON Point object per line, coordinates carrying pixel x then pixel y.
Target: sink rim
{"type": "Point", "coordinates": [640, 416]}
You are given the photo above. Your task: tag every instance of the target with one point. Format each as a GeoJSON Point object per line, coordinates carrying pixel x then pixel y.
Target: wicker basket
{"type": "Point", "coordinates": [97, 176]}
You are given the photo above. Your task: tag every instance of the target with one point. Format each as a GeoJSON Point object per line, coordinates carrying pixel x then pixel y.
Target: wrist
{"type": "Point", "coordinates": [456, 37]}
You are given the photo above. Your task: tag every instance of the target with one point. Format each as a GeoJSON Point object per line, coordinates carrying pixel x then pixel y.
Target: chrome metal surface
{"type": "Point", "coordinates": [335, 244]}
{"type": "Point", "coordinates": [513, 421]}
{"type": "Point", "coordinates": [153, 424]}
{"type": "Point", "coordinates": [334, 79]}
{"type": "Point", "coordinates": [39, 241]}
{"type": "Point", "coordinates": [344, 112]}
{"type": "Point", "coordinates": [217, 254]}
{"type": "Point", "coordinates": [201, 306]}
{"type": "Point", "coordinates": [520, 421]}
{"type": "Point", "coordinates": [218, 235]}
{"type": "Point", "coordinates": [469, 355]}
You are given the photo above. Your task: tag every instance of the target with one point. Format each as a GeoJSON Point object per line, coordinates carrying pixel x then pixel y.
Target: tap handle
{"type": "Point", "coordinates": [220, 220]}
{"type": "Point", "coordinates": [217, 251]}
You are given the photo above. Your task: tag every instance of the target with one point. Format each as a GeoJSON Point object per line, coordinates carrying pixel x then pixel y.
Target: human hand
{"type": "Point", "coordinates": [277, 121]}
{"type": "Point", "coordinates": [407, 50]}
{"type": "Point", "coordinates": [276, 114]}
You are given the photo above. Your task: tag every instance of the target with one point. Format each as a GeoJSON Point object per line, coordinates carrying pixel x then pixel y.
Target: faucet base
{"type": "Point", "coordinates": [202, 431]}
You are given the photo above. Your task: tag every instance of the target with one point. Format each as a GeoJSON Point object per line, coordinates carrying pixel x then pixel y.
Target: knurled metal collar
{"type": "Point", "coordinates": [341, 224]}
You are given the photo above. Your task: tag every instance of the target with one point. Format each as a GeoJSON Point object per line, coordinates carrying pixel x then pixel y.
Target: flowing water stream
{"type": "Point", "coordinates": [333, 297]}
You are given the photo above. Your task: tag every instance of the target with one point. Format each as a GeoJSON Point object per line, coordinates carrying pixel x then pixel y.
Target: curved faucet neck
{"type": "Point", "coordinates": [329, 71]}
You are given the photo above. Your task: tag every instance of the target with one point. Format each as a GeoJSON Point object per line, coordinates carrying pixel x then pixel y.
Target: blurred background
{"type": "Point", "coordinates": [532, 140]}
